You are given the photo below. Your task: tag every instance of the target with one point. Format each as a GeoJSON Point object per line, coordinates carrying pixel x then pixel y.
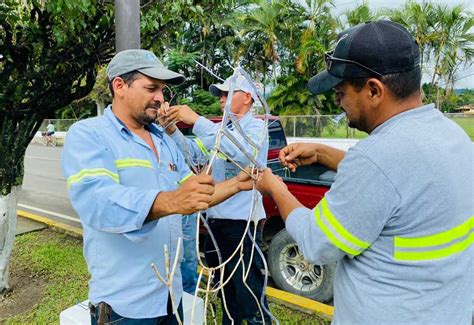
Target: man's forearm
{"type": "Point", "coordinates": [285, 201]}
{"type": "Point", "coordinates": [224, 190]}
{"type": "Point", "coordinates": [162, 206]}
{"type": "Point", "coordinates": [329, 156]}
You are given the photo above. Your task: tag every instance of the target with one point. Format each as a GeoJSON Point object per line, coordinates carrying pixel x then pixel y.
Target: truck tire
{"type": "Point", "coordinates": [292, 273]}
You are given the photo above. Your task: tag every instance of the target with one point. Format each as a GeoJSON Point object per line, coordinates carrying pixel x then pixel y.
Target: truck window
{"type": "Point", "coordinates": [276, 135]}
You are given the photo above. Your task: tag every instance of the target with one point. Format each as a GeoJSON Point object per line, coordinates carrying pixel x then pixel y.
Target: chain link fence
{"type": "Point", "coordinates": [329, 126]}
{"type": "Point", "coordinates": [311, 126]}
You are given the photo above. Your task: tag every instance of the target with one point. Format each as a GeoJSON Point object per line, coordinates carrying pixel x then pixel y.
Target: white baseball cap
{"type": "Point", "coordinates": [241, 83]}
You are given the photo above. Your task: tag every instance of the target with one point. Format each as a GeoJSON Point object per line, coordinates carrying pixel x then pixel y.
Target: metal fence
{"type": "Point", "coordinates": [321, 126]}
{"type": "Point", "coordinates": [328, 126]}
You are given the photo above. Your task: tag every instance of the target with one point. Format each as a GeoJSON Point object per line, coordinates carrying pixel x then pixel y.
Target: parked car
{"type": "Point", "coordinates": [288, 268]}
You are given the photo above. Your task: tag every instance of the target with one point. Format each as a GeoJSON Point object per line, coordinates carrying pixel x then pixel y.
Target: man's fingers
{"type": "Point", "coordinates": [206, 189]}
{"type": "Point", "coordinates": [203, 178]}
{"type": "Point", "coordinates": [293, 155]}
{"type": "Point", "coordinates": [282, 154]}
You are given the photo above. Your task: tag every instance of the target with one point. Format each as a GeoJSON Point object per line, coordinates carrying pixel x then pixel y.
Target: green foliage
{"type": "Point", "coordinates": [203, 103]}
{"type": "Point", "coordinates": [444, 34]}
{"type": "Point", "coordinates": [446, 101]}
{"type": "Point", "coordinates": [361, 14]}
{"type": "Point", "coordinates": [101, 92]}
{"type": "Point", "coordinates": [47, 63]}
{"type": "Point", "coordinates": [180, 31]}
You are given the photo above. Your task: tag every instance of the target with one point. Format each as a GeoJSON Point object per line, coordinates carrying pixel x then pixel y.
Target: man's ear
{"type": "Point", "coordinates": [118, 85]}
{"type": "Point", "coordinates": [376, 89]}
{"type": "Point", "coordinates": [248, 99]}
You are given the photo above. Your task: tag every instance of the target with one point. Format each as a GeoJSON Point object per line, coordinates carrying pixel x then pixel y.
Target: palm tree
{"type": "Point", "coordinates": [260, 28]}
{"type": "Point", "coordinates": [454, 45]}
{"type": "Point", "coordinates": [419, 19]}
{"type": "Point", "coordinates": [361, 14]}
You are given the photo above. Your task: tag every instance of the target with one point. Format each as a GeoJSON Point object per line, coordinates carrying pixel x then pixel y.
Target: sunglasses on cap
{"type": "Point", "coordinates": [328, 58]}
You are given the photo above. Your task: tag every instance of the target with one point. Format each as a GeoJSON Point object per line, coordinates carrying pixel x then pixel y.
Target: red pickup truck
{"type": "Point", "coordinates": [288, 268]}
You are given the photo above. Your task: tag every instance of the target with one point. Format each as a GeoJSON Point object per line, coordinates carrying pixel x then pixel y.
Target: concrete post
{"type": "Point", "coordinates": [127, 25]}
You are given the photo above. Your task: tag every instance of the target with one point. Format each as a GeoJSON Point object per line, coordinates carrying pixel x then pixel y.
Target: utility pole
{"type": "Point", "coordinates": [127, 25]}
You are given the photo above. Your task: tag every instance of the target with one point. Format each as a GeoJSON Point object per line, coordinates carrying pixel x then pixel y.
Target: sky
{"type": "Point", "coordinates": [466, 74]}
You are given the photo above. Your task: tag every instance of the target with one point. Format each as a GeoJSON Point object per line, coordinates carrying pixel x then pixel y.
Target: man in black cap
{"type": "Point", "coordinates": [399, 216]}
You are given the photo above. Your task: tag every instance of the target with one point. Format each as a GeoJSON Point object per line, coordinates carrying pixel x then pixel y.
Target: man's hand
{"type": "Point", "coordinates": [193, 195]}
{"type": "Point", "coordinates": [268, 183]}
{"type": "Point", "coordinates": [244, 181]}
{"type": "Point", "coordinates": [167, 123]}
{"type": "Point", "coordinates": [182, 113]}
{"type": "Point", "coordinates": [298, 154]}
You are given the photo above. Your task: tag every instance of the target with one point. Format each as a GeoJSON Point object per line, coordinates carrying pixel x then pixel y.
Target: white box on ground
{"type": "Point", "coordinates": [79, 313]}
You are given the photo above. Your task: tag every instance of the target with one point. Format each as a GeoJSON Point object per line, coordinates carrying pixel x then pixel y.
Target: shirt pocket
{"type": "Point", "coordinates": [136, 172]}
{"type": "Point", "coordinates": [168, 176]}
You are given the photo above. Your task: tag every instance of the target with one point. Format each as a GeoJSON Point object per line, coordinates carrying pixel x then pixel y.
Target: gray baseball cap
{"type": "Point", "coordinates": [144, 62]}
{"type": "Point", "coordinates": [240, 84]}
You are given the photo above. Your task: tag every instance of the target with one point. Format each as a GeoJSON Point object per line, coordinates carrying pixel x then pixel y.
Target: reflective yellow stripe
{"type": "Point", "coordinates": [220, 155]}
{"type": "Point", "coordinates": [91, 173]}
{"type": "Point", "coordinates": [331, 236]}
{"type": "Point", "coordinates": [340, 229]}
{"type": "Point", "coordinates": [201, 146]}
{"type": "Point", "coordinates": [185, 178]}
{"type": "Point", "coordinates": [438, 253]}
{"type": "Point", "coordinates": [130, 162]}
{"type": "Point", "coordinates": [437, 239]}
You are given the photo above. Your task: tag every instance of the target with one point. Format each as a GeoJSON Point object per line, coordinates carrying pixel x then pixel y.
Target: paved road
{"type": "Point", "coordinates": [44, 187]}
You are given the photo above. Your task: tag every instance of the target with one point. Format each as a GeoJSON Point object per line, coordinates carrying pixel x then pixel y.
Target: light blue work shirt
{"type": "Point", "coordinates": [238, 206]}
{"type": "Point", "coordinates": [399, 218]}
{"type": "Point", "coordinates": [113, 178]}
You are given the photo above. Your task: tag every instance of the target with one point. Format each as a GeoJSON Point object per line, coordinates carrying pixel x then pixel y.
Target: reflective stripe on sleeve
{"type": "Point", "coordinates": [201, 146]}
{"type": "Point", "coordinates": [436, 246]}
{"type": "Point", "coordinates": [94, 172]}
{"type": "Point", "coordinates": [131, 162]}
{"type": "Point", "coordinates": [338, 235]}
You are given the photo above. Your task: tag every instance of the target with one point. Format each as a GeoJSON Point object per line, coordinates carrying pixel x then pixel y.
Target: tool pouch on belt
{"type": "Point", "coordinates": [103, 312]}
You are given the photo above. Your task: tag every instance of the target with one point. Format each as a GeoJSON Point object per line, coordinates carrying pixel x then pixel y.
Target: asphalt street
{"type": "Point", "coordinates": [44, 189]}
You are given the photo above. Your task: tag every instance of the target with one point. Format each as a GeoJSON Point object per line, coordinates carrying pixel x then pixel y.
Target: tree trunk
{"type": "Point", "coordinates": [7, 232]}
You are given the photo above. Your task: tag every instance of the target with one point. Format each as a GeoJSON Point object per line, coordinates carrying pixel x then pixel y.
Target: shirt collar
{"type": "Point", "coordinates": [122, 128]}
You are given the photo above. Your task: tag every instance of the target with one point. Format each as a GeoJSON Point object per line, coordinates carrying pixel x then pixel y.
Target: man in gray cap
{"type": "Point", "coordinates": [399, 216]}
{"type": "Point", "coordinates": [129, 184]}
{"type": "Point", "coordinates": [228, 220]}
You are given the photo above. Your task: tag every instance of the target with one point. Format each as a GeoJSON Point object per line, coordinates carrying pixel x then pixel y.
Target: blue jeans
{"type": "Point", "coordinates": [189, 262]}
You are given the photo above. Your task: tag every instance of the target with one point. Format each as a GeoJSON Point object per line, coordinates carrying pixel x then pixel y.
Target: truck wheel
{"type": "Point", "coordinates": [292, 273]}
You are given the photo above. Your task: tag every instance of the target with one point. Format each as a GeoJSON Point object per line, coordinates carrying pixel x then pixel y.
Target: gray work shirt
{"type": "Point", "coordinates": [399, 219]}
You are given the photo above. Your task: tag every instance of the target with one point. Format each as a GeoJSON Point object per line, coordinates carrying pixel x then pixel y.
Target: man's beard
{"type": "Point", "coordinates": [145, 118]}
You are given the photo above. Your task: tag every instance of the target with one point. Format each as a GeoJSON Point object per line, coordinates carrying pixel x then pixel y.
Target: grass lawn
{"type": "Point", "coordinates": [343, 132]}
{"type": "Point", "coordinates": [50, 268]}
{"type": "Point", "coordinates": [467, 124]}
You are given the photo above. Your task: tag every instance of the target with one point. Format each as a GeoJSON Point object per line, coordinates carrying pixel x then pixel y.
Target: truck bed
{"type": "Point", "coordinates": [315, 174]}
{"type": "Point", "coordinates": [308, 184]}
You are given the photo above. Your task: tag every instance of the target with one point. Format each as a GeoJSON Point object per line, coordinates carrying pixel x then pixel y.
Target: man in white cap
{"type": "Point", "coordinates": [228, 220]}
{"type": "Point", "coordinates": [129, 184]}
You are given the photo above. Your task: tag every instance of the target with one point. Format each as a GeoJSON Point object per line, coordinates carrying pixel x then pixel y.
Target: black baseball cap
{"type": "Point", "coordinates": [367, 50]}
